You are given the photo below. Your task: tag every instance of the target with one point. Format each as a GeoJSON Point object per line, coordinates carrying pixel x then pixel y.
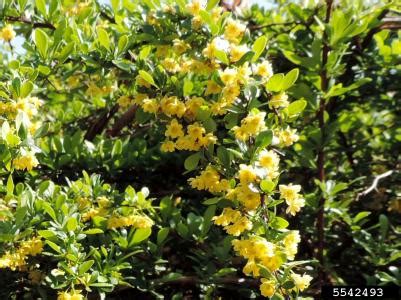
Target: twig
{"type": "Point", "coordinates": [25, 20]}
{"type": "Point", "coordinates": [324, 79]}
{"type": "Point", "coordinates": [374, 184]}
{"type": "Point", "coordinates": [123, 121]}
{"type": "Point", "coordinates": [100, 123]}
{"type": "Point", "coordinates": [257, 27]}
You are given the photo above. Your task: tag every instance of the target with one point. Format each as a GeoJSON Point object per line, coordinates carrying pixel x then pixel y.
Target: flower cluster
{"type": "Point", "coordinates": [136, 221]}
{"type": "Point", "coordinates": [210, 180]}
{"type": "Point", "coordinates": [17, 260]}
{"type": "Point", "coordinates": [7, 33]}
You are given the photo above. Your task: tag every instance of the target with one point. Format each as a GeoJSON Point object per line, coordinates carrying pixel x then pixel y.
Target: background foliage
{"type": "Point", "coordinates": [80, 59]}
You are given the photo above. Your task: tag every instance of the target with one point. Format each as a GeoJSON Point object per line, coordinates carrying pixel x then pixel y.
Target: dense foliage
{"type": "Point", "coordinates": [182, 150]}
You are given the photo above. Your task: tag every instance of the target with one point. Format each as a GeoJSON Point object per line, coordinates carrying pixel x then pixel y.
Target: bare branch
{"type": "Point", "coordinates": [374, 184]}
{"type": "Point", "coordinates": [25, 20]}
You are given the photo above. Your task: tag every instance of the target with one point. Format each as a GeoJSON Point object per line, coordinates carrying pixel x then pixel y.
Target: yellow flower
{"type": "Point", "coordinates": [269, 160]}
{"type": "Point", "coordinates": [272, 263]}
{"type": "Point", "coordinates": [77, 296]}
{"type": "Point", "coordinates": [267, 288]}
{"type": "Point", "coordinates": [138, 221]}
{"type": "Point", "coordinates": [228, 216]}
{"type": "Point", "coordinates": [31, 247]}
{"type": "Point", "coordinates": [290, 242]}
{"type": "Point", "coordinates": [192, 106]}
{"type": "Point", "coordinates": [236, 52]}
{"type": "Point", "coordinates": [167, 146]}
{"type": "Point", "coordinates": [246, 174]}
{"type": "Point", "coordinates": [103, 202]}
{"type": "Point", "coordinates": [248, 198]}
{"type": "Point", "coordinates": [234, 31]}
{"type": "Point", "coordinates": [70, 296]}
{"type": "Point", "coordinates": [196, 131]}
{"type": "Point", "coordinates": [194, 7]}
{"type": "Point", "coordinates": [172, 106]}
{"type": "Point", "coordinates": [289, 192]}
{"type": "Point", "coordinates": [288, 136]}
{"type": "Point", "coordinates": [212, 88]}
{"type": "Point", "coordinates": [7, 33]}
{"type": "Point", "coordinates": [251, 268]}
{"type": "Point", "coordinates": [150, 106]}
{"type": "Point", "coordinates": [251, 125]}
{"type": "Point", "coordinates": [174, 129]}
{"type": "Point", "coordinates": [264, 69]}
{"type": "Point", "coordinates": [180, 46]}
{"type": "Point", "coordinates": [301, 281]}
{"type": "Point", "coordinates": [27, 161]}
{"type": "Point", "coordinates": [239, 226]}
{"type": "Point", "coordinates": [171, 65]}
{"type": "Point", "coordinates": [124, 101]}
{"type": "Point", "coordinates": [295, 206]}
{"type": "Point", "coordinates": [229, 76]}
{"type": "Point", "coordinates": [279, 100]}
{"type": "Point", "coordinates": [63, 296]}
{"type": "Point", "coordinates": [209, 179]}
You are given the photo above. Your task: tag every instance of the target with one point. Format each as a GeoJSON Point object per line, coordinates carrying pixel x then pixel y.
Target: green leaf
{"type": "Point", "coordinates": [117, 148]}
{"type": "Point", "coordinates": [288, 285]}
{"type": "Point", "coordinates": [162, 235]}
{"type": "Point", "coordinates": [41, 42]}
{"type": "Point", "coordinates": [10, 185]}
{"type": "Point", "coordinates": [244, 58]}
{"type": "Point", "coordinates": [275, 83]}
{"type": "Point", "coordinates": [258, 46]}
{"type": "Point", "coordinates": [384, 225]}
{"type": "Point", "coordinates": [222, 56]}
{"type": "Point", "coordinates": [211, 201]}
{"type": "Point", "coordinates": [279, 223]}
{"type": "Point", "coordinates": [41, 6]}
{"type": "Point", "coordinates": [147, 77]}
{"type": "Point", "coordinates": [103, 38]}
{"type": "Point", "coordinates": [65, 52]}
{"type": "Point", "coordinates": [44, 70]}
{"type": "Point", "coordinates": [188, 86]}
{"type": "Point", "coordinates": [224, 156]}
{"type": "Point", "coordinates": [192, 161]}
{"type": "Point", "coordinates": [85, 266]}
{"type": "Point", "coordinates": [290, 79]}
{"type": "Point", "coordinates": [122, 44]}
{"type": "Point", "coordinates": [264, 139]}
{"type": "Point", "coordinates": [267, 186]}
{"type": "Point", "coordinates": [207, 219]}
{"type": "Point", "coordinates": [54, 246]}
{"type": "Point", "coordinates": [26, 89]}
{"type": "Point", "coordinates": [49, 210]}
{"type": "Point", "coordinates": [72, 224]}
{"type": "Point", "coordinates": [211, 4]}
{"type": "Point", "coordinates": [93, 231]}
{"type": "Point", "coordinates": [296, 107]}
{"type": "Point", "coordinates": [46, 233]}
{"type": "Point", "coordinates": [182, 230]}
{"type": "Point", "coordinates": [361, 215]}
{"type": "Point", "coordinates": [140, 235]}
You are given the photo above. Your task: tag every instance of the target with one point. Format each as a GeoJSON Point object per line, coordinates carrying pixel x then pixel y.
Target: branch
{"type": "Point", "coordinates": [321, 155]}
{"type": "Point", "coordinates": [125, 119]}
{"type": "Point", "coordinates": [257, 27]}
{"type": "Point", "coordinates": [374, 184]}
{"type": "Point", "coordinates": [25, 20]}
{"type": "Point", "coordinates": [100, 123]}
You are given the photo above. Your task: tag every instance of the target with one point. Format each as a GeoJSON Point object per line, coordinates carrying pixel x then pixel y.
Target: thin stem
{"type": "Point", "coordinates": [324, 80]}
